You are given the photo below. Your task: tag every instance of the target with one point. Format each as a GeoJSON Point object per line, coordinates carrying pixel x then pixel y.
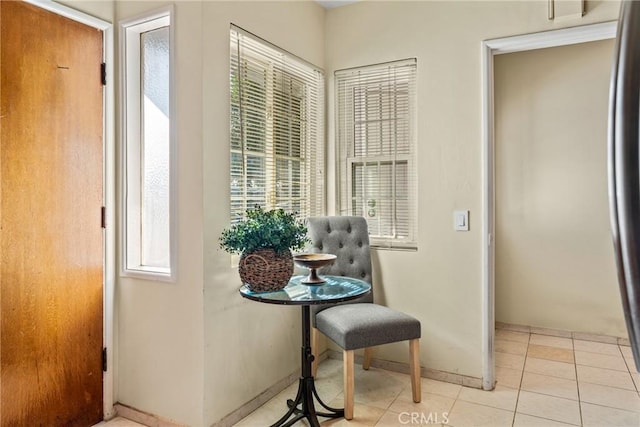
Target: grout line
{"type": "Point", "coordinates": [575, 367]}
{"type": "Point", "coordinates": [519, 389]}
{"type": "Point", "coordinates": [601, 354]}
{"type": "Point", "coordinates": [561, 333]}
{"type": "Point", "coordinates": [542, 393]}
{"type": "Point", "coordinates": [551, 419]}
{"type": "Point", "coordinates": [631, 411]}
{"type": "Point", "coordinates": [458, 394]}
{"type": "Point", "coordinates": [629, 369]}
{"type": "Point", "coordinates": [613, 386]}
{"type": "Point", "coordinates": [600, 367]}
{"type": "Point", "coordinates": [524, 364]}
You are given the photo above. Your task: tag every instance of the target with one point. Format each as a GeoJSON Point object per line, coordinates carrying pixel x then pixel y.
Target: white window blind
{"type": "Point", "coordinates": [375, 113]}
{"type": "Point", "coordinates": [277, 129]}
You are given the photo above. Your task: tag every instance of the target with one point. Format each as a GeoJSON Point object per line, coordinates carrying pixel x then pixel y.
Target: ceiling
{"type": "Point", "coordinates": [330, 4]}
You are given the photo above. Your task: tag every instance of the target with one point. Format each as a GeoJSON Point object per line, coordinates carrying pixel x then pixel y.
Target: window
{"type": "Point", "coordinates": [148, 146]}
{"type": "Point", "coordinates": [277, 121]}
{"type": "Point", "coordinates": [375, 113]}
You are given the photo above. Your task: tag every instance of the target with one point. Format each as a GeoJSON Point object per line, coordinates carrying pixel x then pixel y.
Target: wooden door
{"type": "Point", "coordinates": [51, 258]}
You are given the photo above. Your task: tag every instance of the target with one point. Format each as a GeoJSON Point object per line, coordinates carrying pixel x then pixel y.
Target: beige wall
{"type": "Point", "coordinates": [102, 9]}
{"type": "Point", "coordinates": [185, 354]}
{"type": "Point", "coordinates": [249, 346]}
{"type": "Point", "coordinates": [554, 258]}
{"type": "Point", "coordinates": [161, 325]}
{"type": "Point", "coordinates": [441, 282]}
{"type": "Point", "coordinates": [194, 351]}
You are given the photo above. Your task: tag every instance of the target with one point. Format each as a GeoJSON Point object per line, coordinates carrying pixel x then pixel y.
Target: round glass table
{"type": "Point", "coordinates": [335, 289]}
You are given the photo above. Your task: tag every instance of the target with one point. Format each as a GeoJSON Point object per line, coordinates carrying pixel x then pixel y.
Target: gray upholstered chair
{"type": "Point", "coordinates": [358, 324]}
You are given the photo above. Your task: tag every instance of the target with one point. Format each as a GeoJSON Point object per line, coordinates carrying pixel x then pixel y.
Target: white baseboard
{"type": "Point", "coordinates": [234, 417]}
{"type": "Point", "coordinates": [142, 417]}
{"type": "Point", "coordinates": [403, 368]}
{"type": "Point", "coordinates": [606, 339]}
{"type": "Point", "coordinates": [464, 380]}
{"type": "Point", "coordinates": [240, 413]}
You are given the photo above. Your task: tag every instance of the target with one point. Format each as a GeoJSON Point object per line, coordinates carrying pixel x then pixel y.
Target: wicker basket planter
{"type": "Point", "coordinates": [265, 270]}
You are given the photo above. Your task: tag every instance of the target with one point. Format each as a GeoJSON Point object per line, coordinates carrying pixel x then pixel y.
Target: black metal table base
{"type": "Point", "coordinates": [303, 407]}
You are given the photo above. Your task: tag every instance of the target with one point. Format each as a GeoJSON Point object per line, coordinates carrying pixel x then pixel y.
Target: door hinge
{"type": "Point", "coordinates": [103, 217]}
{"type": "Point", "coordinates": [104, 359]}
{"type": "Point", "coordinates": [103, 74]}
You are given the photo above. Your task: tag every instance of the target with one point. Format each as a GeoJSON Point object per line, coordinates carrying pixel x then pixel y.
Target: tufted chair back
{"type": "Point", "coordinates": [347, 237]}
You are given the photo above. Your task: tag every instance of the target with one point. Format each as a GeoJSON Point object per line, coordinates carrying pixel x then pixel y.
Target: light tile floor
{"type": "Point", "coordinates": [542, 381]}
{"type": "Point", "coordinates": [118, 422]}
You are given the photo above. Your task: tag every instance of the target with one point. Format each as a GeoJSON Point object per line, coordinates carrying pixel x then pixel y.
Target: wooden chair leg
{"type": "Point", "coordinates": [315, 339]}
{"type": "Point", "coordinates": [414, 367]}
{"type": "Point", "coordinates": [367, 359]}
{"type": "Point", "coordinates": [347, 358]}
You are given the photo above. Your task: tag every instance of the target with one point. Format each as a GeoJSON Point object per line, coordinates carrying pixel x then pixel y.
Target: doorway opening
{"type": "Point", "coordinates": [490, 48]}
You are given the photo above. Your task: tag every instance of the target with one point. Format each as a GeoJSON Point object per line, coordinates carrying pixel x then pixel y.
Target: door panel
{"type": "Point", "coordinates": [51, 256]}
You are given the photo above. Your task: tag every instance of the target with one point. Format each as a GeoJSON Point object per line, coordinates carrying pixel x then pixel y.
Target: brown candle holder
{"type": "Point", "coordinates": [313, 262]}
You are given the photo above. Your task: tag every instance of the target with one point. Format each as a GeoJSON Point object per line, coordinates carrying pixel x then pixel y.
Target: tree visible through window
{"type": "Point", "coordinates": [276, 129]}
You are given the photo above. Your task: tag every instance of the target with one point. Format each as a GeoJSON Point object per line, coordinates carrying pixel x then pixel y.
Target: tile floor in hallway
{"type": "Point", "coordinates": [542, 381]}
{"type": "Point", "coordinates": [119, 422]}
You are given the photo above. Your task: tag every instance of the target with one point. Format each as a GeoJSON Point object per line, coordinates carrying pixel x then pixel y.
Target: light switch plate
{"type": "Point", "coordinates": [461, 220]}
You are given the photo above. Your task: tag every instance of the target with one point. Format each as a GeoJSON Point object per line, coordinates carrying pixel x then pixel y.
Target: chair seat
{"type": "Point", "coordinates": [354, 326]}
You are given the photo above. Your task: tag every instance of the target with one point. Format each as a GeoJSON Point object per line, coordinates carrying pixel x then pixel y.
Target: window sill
{"type": "Point", "coordinates": [384, 246]}
{"type": "Point", "coordinates": [146, 273]}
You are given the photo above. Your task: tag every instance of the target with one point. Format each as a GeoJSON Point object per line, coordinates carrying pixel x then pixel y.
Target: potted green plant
{"type": "Point", "coordinates": [265, 240]}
